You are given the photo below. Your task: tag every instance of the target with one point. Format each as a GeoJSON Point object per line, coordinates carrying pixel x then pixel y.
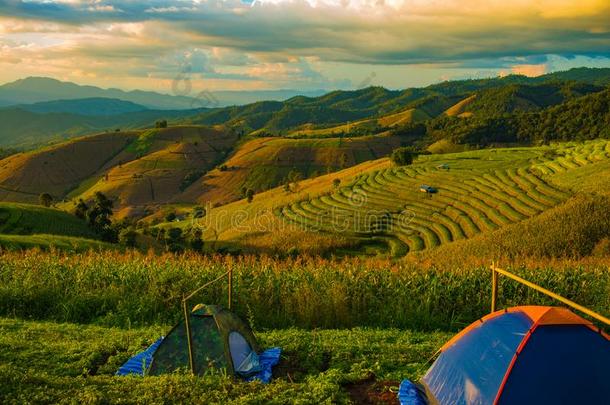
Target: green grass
{"type": "Point", "coordinates": [25, 219]}
{"type": "Point", "coordinates": [44, 362]}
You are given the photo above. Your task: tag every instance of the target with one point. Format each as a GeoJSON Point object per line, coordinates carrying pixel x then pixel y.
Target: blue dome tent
{"type": "Point", "coordinates": [521, 355]}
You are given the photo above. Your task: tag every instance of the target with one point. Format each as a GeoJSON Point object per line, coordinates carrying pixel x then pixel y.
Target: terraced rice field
{"type": "Point", "coordinates": [479, 192]}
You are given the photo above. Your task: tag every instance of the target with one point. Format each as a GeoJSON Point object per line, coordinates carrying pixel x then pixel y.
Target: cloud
{"type": "Point", "coordinates": [362, 31]}
{"type": "Point", "coordinates": [297, 39]}
{"type": "Point", "coordinates": [529, 70]}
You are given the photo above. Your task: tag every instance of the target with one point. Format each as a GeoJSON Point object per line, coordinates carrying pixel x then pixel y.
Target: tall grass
{"type": "Point", "coordinates": [124, 289]}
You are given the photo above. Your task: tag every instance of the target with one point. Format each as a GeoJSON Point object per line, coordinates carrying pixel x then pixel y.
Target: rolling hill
{"type": "Point", "coordinates": [264, 163]}
{"type": "Point", "coordinates": [27, 129]}
{"type": "Point", "coordinates": [320, 116]}
{"type": "Point", "coordinates": [167, 162]}
{"type": "Point", "coordinates": [59, 169]}
{"type": "Point", "coordinates": [24, 226]}
{"type": "Point", "coordinates": [26, 219]}
{"type": "Point", "coordinates": [135, 168]}
{"type": "Point", "coordinates": [362, 127]}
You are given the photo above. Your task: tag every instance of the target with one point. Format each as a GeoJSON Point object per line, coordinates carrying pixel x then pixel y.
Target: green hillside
{"type": "Point", "coordinates": [45, 242]}
{"type": "Point", "coordinates": [581, 118]}
{"type": "Point", "coordinates": [495, 96]}
{"type": "Point", "coordinates": [25, 219]}
{"type": "Point", "coordinates": [520, 97]}
{"type": "Point", "coordinates": [24, 226]}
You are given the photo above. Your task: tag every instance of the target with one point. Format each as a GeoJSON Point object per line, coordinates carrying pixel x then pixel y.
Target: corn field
{"type": "Point", "coordinates": [133, 289]}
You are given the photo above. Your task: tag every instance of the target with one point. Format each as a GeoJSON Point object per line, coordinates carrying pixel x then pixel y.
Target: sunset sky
{"type": "Point", "coordinates": [297, 44]}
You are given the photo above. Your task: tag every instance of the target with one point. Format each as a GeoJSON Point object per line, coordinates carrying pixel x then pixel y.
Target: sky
{"type": "Point", "coordinates": [296, 44]}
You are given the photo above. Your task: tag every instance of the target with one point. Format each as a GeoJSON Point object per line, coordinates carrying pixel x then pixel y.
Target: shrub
{"type": "Point", "coordinates": [127, 237]}
{"type": "Point", "coordinates": [45, 199]}
{"type": "Point", "coordinates": [190, 178]}
{"type": "Point", "coordinates": [402, 156]}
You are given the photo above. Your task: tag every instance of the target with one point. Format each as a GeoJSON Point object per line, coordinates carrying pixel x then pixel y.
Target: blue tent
{"type": "Point", "coordinates": [522, 355]}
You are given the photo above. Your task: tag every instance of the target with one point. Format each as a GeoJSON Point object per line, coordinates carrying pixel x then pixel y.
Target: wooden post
{"type": "Point", "coordinates": [494, 287]}
{"type": "Point", "coordinates": [187, 323]}
{"type": "Point", "coordinates": [230, 275]}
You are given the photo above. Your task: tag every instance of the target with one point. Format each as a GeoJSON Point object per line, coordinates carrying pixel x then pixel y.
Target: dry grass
{"type": "Point", "coordinates": [459, 109]}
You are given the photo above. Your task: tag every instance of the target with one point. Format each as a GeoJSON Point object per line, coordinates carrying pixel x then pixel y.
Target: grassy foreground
{"type": "Point", "coordinates": [46, 362]}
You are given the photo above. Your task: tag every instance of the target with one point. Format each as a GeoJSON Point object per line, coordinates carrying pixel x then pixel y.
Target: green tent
{"type": "Point", "coordinates": [219, 339]}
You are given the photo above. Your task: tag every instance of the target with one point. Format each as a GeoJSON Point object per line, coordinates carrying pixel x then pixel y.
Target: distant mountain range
{"type": "Point", "coordinates": [46, 110]}
{"type": "Point", "coordinates": [85, 106]}
{"type": "Point", "coordinates": [42, 89]}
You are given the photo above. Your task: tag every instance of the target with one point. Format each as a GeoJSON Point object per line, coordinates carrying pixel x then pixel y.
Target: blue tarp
{"type": "Point", "coordinates": [409, 394]}
{"type": "Point", "coordinates": [138, 364]}
{"type": "Point", "coordinates": [267, 360]}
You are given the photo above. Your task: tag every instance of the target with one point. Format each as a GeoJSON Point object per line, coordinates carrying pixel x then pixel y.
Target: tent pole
{"type": "Point", "coordinates": [187, 323]}
{"type": "Point", "coordinates": [230, 275]}
{"type": "Point", "coordinates": [494, 287]}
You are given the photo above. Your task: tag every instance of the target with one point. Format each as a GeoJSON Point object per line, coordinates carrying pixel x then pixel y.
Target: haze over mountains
{"type": "Point", "coordinates": [40, 89]}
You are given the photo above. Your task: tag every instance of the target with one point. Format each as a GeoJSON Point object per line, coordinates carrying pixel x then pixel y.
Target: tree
{"type": "Point", "coordinates": [174, 240]}
{"type": "Point", "coordinates": [81, 209]}
{"type": "Point", "coordinates": [98, 217]}
{"type": "Point", "coordinates": [195, 241]}
{"type": "Point", "coordinates": [336, 183]}
{"type": "Point", "coordinates": [250, 195]}
{"type": "Point", "coordinates": [199, 212]}
{"type": "Point", "coordinates": [402, 156]}
{"type": "Point", "coordinates": [161, 124]}
{"type": "Point", "coordinates": [170, 217]}
{"type": "Point", "coordinates": [343, 161]}
{"type": "Point", "coordinates": [294, 176]}
{"type": "Point", "coordinates": [45, 199]}
{"type": "Point", "coordinates": [127, 237]}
